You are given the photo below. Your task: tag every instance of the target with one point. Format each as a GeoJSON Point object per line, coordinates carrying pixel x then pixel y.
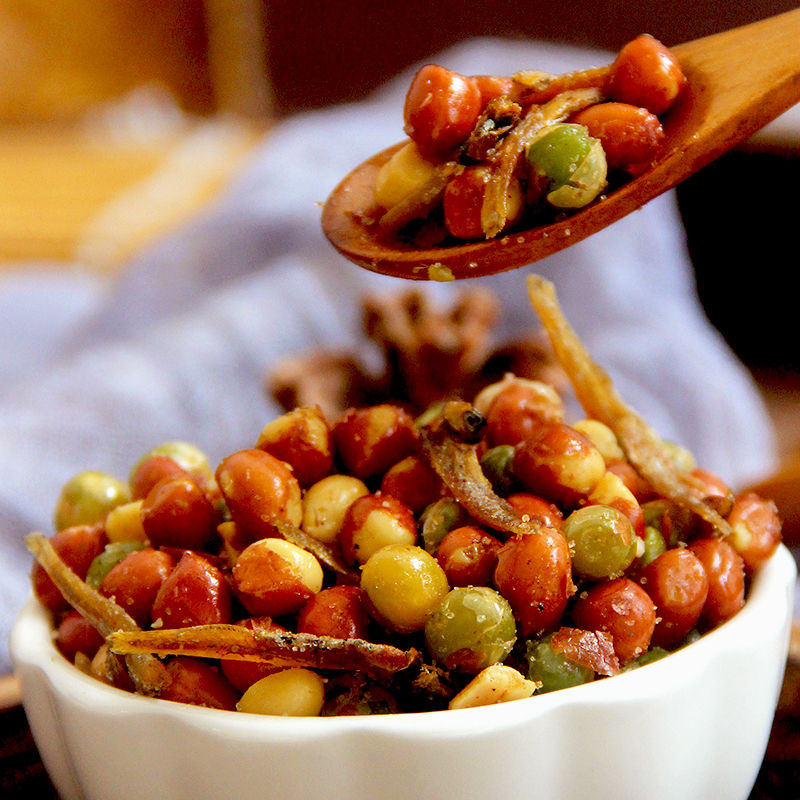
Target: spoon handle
{"type": "Point", "coordinates": [738, 81]}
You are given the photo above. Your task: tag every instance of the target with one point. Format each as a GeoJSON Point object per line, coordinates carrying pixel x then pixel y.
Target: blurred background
{"type": "Point", "coordinates": [122, 118]}
{"type": "Point", "coordinates": [97, 96]}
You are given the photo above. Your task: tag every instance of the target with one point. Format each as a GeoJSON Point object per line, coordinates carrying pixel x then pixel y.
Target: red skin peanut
{"type": "Point", "coordinates": [198, 683]}
{"type": "Point", "coordinates": [259, 490]}
{"type": "Point", "coordinates": [177, 513]}
{"type": "Point", "coordinates": [631, 136]}
{"type": "Point", "coordinates": [337, 611]}
{"type": "Point", "coordinates": [78, 547]}
{"type": "Point", "coordinates": [267, 583]}
{"type": "Point", "coordinates": [468, 556]}
{"type": "Point", "coordinates": [440, 110]}
{"type": "Point", "coordinates": [373, 520]}
{"type": "Point", "coordinates": [135, 581]}
{"type": "Point", "coordinates": [462, 203]}
{"type": "Point", "coordinates": [677, 583]}
{"type": "Point", "coordinates": [725, 570]}
{"type": "Point", "coordinates": [756, 529]}
{"type": "Point", "coordinates": [491, 86]}
{"type": "Point", "coordinates": [518, 412]}
{"type": "Point", "coordinates": [412, 482]}
{"type": "Point", "coordinates": [645, 73]}
{"type": "Point", "coordinates": [194, 593]}
{"type": "Point", "coordinates": [76, 635]}
{"type": "Point", "coordinates": [534, 573]}
{"type": "Point", "coordinates": [302, 439]}
{"type": "Point", "coordinates": [559, 463]}
{"type": "Point", "coordinates": [150, 470]}
{"type": "Point", "coordinates": [537, 509]}
{"type": "Point", "coordinates": [623, 609]}
{"type": "Point", "coordinates": [370, 440]}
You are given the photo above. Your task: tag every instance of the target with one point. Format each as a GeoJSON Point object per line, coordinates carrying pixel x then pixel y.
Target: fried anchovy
{"type": "Point", "coordinates": [495, 208]}
{"type": "Point", "coordinates": [278, 648]}
{"type": "Point", "coordinates": [324, 554]}
{"type": "Point", "coordinates": [147, 673]}
{"type": "Point", "coordinates": [596, 393]}
{"type": "Point", "coordinates": [532, 86]}
{"type": "Point", "coordinates": [449, 444]}
{"type": "Point", "coordinates": [421, 202]}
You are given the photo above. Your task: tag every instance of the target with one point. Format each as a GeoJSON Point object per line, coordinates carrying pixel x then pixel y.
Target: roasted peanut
{"type": "Point", "coordinates": [302, 439]}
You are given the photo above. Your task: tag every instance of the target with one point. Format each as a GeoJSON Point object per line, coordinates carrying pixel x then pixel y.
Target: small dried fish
{"type": "Point", "coordinates": [600, 400]}
{"type": "Point", "coordinates": [433, 681]}
{"type": "Point", "coordinates": [500, 116]}
{"type": "Point", "coordinates": [324, 554]}
{"type": "Point", "coordinates": [532, 86]}
{"type": "Point", "coordinates": [275, 647]}
{"type": "Point", "coordinates": [448, 444]}
{"type": "Point", "coordinates": [495, 209]}
{"type": "Point", "coordinates": [420, 203]}
{"type": "Point", "coordinates": [146, 672]}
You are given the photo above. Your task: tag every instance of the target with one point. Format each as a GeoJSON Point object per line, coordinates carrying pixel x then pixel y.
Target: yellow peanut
{"type": "Point", "coordinates": [124, 523]}
{"type": "Point", "coordinates": [293, 692]}
{"type": "Point", "coordinates": [403, 584]}
{"type": "Point", "coordinates": [405, 172]}
{"type": "Point", "coordinates": [603, 438]}
{"type": "Point", "coordinates": [326, 503]}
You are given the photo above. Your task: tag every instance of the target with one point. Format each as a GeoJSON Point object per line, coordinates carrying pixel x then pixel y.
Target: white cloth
{"type": "Point", "coordinates": [94, 373]}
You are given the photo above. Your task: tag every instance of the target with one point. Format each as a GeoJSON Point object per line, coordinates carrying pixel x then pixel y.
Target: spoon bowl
{"type": "Point", "coordinates": [738, 81]}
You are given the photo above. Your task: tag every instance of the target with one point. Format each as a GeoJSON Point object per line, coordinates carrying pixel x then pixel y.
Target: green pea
{"type": "Point", "coordinates": [672, 521]}
{"type": "Point", "coordinates": [559, 151]}
{"type": "Point", "coordinates": [553, 670]}
{"type": "Point", "coordinates": [87, 497]}
{"type": "Point", "coordinates": [653, 654]}
{"type": "Point", "coordinates": [654, 545]}
{"type": "Point", "coordinates": [570, 163]}
{"type": "Point", "coordinates": [602, 541]}
{"type": "Point", "coordinates": [185, 455]}
{"type": "Point", "coordinates": [497, 465]}
{"type": "Point", "coordinates": [691, 637]}
{"type": "Point", "coordinates": [111, 556]}
{"type": "Point", "coordinates": [438, 519]}
{"type": "Point", "coordinates": [472, 629]}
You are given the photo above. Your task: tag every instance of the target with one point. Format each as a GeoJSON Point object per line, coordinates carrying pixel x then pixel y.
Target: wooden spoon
{"type": "Point", "coordinates": [738, 81]}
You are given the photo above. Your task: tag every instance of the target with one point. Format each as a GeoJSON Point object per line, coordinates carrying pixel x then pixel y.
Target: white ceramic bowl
{"type": "Point", "coordinates": [693, 725]}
